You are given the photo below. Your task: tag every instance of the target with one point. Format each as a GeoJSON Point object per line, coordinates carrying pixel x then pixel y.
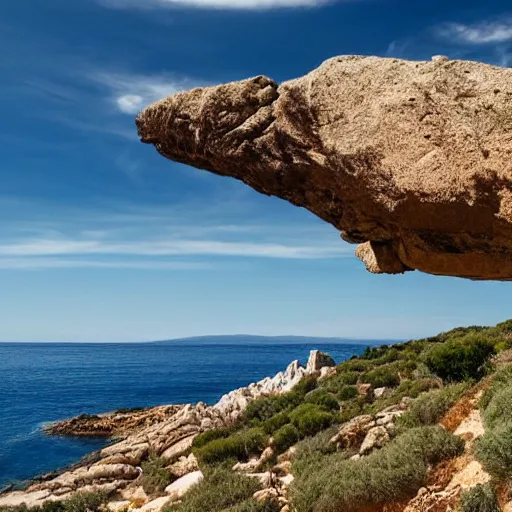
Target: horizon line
{"type": "Point", "coordinates": [211, 337]}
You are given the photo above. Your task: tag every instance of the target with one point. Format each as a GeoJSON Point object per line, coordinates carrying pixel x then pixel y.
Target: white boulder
{"type": "Point", "coordinates": [180, 487]}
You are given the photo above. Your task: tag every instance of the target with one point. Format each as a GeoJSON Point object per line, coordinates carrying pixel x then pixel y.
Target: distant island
{"type": "Point", "coordinates": [236, 339]}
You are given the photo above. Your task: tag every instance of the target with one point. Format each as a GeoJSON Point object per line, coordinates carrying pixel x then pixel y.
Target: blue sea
{"type": "Point", "coordinates": [44, 382]}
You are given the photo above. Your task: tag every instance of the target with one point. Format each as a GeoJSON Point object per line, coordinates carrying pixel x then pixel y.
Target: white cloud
{"type": "Point", "coordinates": [63, 263]}
{"type": "Point", "coordinates": [60, 247]}
{"type": "Point", "coordinates": [485, 32]}
{"type": "Point", "coordinates": [130, 103]}
{"type": "Point", "coordinates": [166, 237]}
{"type": "Point", "coordinates": [130, 93]}
{"type": "Point", "coordinates": [215, 4]}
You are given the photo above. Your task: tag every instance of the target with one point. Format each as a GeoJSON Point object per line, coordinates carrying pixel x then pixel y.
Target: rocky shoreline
{"type": "Point", "coordinates": [117, 424]}
{"type": "Point", "coordinates": [164, 431]}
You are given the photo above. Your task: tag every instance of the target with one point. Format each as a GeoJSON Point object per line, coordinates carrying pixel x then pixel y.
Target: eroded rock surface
{"type": "Point", "coordinates": [117, 423]}
{"type": "Point", "coordinates": [411, 160]}
{"type": "Point", "coordinates": [367, 432]}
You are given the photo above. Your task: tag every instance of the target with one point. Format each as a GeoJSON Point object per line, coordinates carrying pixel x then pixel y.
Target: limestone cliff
{"type": "Point", "coordinates": [411, 160]}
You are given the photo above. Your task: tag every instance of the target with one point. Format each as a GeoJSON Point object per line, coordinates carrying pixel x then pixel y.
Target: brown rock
{"type": "Point", "coordinates": [287, 455]}
{"type": "Point", "coordinates": [184, 465]}
{"type": "Point", "coordinates": [365, 390]}
{"type": "Point", "coordinates": [283, 468]}
{"type": "Point", "coordinates": [353, 433]}
{"type": "Point", "coordinates": [265, 495]}
{"type": "Point", "coordinates": [179, 449]}
{"type": "Point", "coordinates": [135, 494]}
{"type": "Point", "coordinates": [409, 159]}
{"type": "Point", "coordinates": [117, 423]}
{"type": "Point", "coordinates": [376, 437]}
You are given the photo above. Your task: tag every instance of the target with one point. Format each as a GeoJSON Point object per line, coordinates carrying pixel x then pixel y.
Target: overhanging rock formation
{"type": "Point", "coordinates": [411, 160]}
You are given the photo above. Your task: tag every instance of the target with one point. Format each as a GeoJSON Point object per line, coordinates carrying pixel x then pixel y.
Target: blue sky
{"type": "Point", "coordinates": [101, 239]}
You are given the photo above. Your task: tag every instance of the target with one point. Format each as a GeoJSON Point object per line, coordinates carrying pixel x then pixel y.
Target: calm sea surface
{"type": "Point", "coordinates": [49, 381]}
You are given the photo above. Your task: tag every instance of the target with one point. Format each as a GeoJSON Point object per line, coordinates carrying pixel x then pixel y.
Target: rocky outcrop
{"type": "Point", "coordinates": [367, 432]}
{"type": "Point", "coordinates": [234, 403]}
{"type": "Point", "coordinates": [117, 423]}
{"type": "Point", "coordinates": [255, 464]}
{"type": "Point", "coordinates": [376, 437]}
{"type": "Point", "coordinates": [318, 360]}
{"type": "Point", "coordinates": [411, 160]}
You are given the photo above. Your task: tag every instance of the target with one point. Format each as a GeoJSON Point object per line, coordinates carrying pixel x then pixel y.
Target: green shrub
{"type": "Point", "coordinates": [79, 502]}
{"type": "Point", "coordinates": [461, 359]}
{"type": "Point", "coordinates": [494, 448]}
{"type": "Point", "coordinates": [413, 347]}
{"type": "Point", "coordinates": [393, 473]}
{"type": "Point", "coordinates": [501, 379]}
{"type": "Point", "coordinates": [504, 327]}
{"type": "Point", "coordinates": [322, 397]}
{"type": "Point", "coordinates": [499, 409]}
{"type": "Point", "coordinates": [264, 408]}
{"type": "Point", "coordinates": [285, 437]}
{"type": "Point", "coordinates": [340, 380]}
{"type": "Point", "coordinates": [240, 446]}
{"type": "Point", "coordinates": [430, 407]}
{"type": "Point", "coordinates": [351, 408]}
{"type": "Point", "coordinates": [276, 422]}
{"type": "Point", "coordinates": [354, 365]}
{"type": "Point", "coordinates": [347, 378]}
{"type": "Point", "coordinates": [306, 385]}
{"type": "Point", "coordinates": [381, 377]}
{"type": "Point", "coordinates": [252, 505]}
{"type": "Point", "coordinates": [481, 498]}
{"type": "Point", "coordinates": [422, 372]}
{"type": "Point", "coordinates": [210, 435]}
{"type": "Point", "coordinates": [59, 506]}
{"type": "Point", "coordinates": [409, 388]}
{"type": "Point", "coordinates": [347, 393]}
{"type": "Point", "coordinates": [375, 352]}
{"type": "Point", "coordinates": [85, 502]}
{"type": "Point", "coordinates": [221, 489]}
{"type": "Point", "coordinates": [390, 356]}
{"type": "Point", "coordinates": [313, 448]}
{"type": "Point", "coordinates": [459, 332]}
{"type": "Point", "coordinates": [155, 475]}
{"type": "Point", "coordinates": [310, 419]}
{"type": "Point", "coordinates": [405, 368]}
{"type": "Point", "coordinates": [494, 451]}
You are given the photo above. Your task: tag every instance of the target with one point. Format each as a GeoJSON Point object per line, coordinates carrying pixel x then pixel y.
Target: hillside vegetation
{"type": "Point", "coordinates": [312, 433]}
{"type": "Point", "coordinates": [429, 374]}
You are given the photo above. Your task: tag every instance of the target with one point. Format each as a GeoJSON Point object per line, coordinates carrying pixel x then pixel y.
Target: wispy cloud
{"type": "Point", "coordinates": [58, 247]}
{"type": "Point", "coordinates": [131, 92]}
{"type": "Point", "coordinates": [177, 238]}
{"type": "Point", "coordinates": [214, 4]}
{"type": "Point", "coordinates": [66, 263]}
{"type": "Point", "coordinates": [397, 48]}
{"type": "Point", "coordinates": [483, 32]}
